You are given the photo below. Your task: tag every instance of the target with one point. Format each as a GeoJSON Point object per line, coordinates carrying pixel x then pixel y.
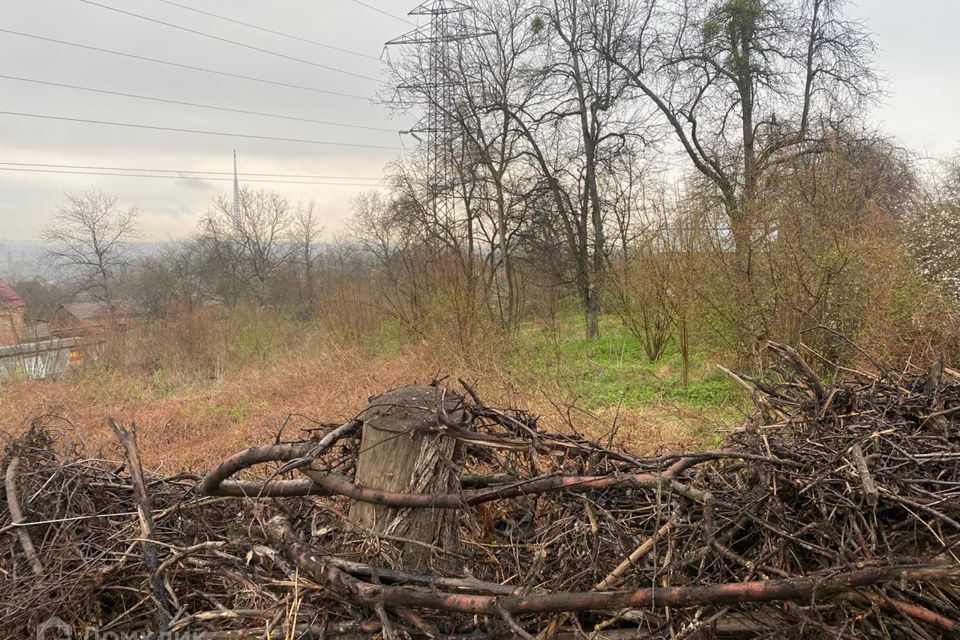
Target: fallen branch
{"type": "Point", "coordinates": [630, 561]}
{"type": "Point", "coordinates": [16, 515]}
{"type": "Point", "coordinates": [866, 479]}
{"type": "Point", "coordinates": [773, 535]}
{"type": "Point", "coordinates": [809, 589]}
{"type": "Point", "coordinates": [128, 438]}
{"type": "Point", "coordinates": [215, 481]}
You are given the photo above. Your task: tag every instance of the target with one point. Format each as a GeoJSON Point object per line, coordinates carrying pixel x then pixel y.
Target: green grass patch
{"type": "Point", "coordinates": [615, 370]}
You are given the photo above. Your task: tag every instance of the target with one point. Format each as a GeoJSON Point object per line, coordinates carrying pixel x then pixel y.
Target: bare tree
{"type": "Point", "coordinates": [639, 284]}
{"type": "Point", "coordinates": [438, 187]}
{"type": "Point", "coordinates": [247, 243]}
{"type": "Point", "coordinates": [399, 253]}
{"type": "Point", "coordinates": [491, 72]}
{"type": "Point", "coordinates": [174, 279]}
{"type": "Point", "coordinates": [90, 237]}
{"type": "Point", "coordinates": [746, 85]}
{"type": "Point", "coordinates": [575, 131]}
{"type": "Point", "coordinates": [305, 234]}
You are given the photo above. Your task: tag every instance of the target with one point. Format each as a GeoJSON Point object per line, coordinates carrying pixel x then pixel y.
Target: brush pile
{"type": "Point", "coordinates": [832, 512]}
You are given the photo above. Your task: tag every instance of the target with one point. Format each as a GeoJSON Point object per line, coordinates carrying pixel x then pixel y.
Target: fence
{"type": "Point", "coordinates": [52, 358]}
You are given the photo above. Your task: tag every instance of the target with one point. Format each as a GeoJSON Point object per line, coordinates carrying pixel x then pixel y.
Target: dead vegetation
{"type": "Point", "coordinates": [193, 421]}
{"type": "Point", "coordinates": [832, 512]}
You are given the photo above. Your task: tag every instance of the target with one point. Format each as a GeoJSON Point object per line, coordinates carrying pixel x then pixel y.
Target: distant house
{"type": "Point", "coordinates": [12, 308]}
{"type": "Point", "coordinates": [86, 319]}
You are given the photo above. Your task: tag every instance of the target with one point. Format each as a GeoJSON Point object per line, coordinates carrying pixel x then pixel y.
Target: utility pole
{"type": "Point", "coordinates": [236, 187]}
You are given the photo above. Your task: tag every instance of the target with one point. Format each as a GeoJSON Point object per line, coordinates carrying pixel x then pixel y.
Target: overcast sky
{"type": "Point", "coordinates": [919, 53]}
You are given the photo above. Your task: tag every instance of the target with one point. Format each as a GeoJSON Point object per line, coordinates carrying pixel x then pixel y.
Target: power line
{"type": "Point", "coordinates": [186, 66]}
{"type": "Point", "coordinates": [386, 13]}
{"type": "Point", "coordinates": [174, 177]}
{"type": "Point", "coordinates": [266, 30]}
{"type": "Point", "coordinates": [197, 131]}
{"type": "Point", "coordinates": [227, 40]}
{"type": "Point", "coordinates": [213, 173]}
{"type": "Point", "coordinates": [194, 104]}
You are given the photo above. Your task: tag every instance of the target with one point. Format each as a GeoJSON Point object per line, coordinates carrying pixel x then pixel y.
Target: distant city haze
{"type": "Point", "coordinates": [918, 54]}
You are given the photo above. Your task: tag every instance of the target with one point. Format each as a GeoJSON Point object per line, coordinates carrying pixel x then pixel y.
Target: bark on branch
{"type": "Point", "coordinates": [807, 589]}
{"type": "Point", "coordinates": [128, 438]}
{"type": "Point", "coordinates": [16, 517]}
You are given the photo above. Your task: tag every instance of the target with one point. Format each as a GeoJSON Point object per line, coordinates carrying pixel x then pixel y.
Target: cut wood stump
{"type": "Point", "coordinates": [404, 449]}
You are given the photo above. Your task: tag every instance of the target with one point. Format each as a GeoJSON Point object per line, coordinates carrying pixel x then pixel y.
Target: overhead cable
{"type": "Point", "coordinates": [271, 31]}
{"type": "Point", "coordinates": [196, 131]}
{"type": "Point", "coordinates": [186, 66]}
{"type": "Point", "coordinates": [381, 11]}
{"type": "Point", "coordinates": [194, 171]}
{"type": "Point", "coordinates": [194, 104]}
{"type": "Point", "coordinates": [175, 177]}
{"type": "Point", "coordinates": [228, 41]}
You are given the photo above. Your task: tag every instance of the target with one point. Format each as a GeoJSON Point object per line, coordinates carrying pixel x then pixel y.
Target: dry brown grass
{"type": "Point", "coordinates": [199, 424]}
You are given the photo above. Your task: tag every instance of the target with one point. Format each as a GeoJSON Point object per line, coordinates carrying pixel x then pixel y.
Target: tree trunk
{"type": "Point", "coordinates": [591, 313]}
{"type": "Point", "coordinates": [509, 317]}
{"type": "Point", "coordinates": [403, 449]}
{"type": "Point", "coordinates": [684, 340]}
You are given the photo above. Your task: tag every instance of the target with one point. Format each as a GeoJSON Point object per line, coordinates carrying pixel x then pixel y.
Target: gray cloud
{"type": "Point", "coordinates": [171, 207]}
{"type": "Point", "coordinates": [917, 50]}
{"type": "Point", "coordinates": [919, 53]}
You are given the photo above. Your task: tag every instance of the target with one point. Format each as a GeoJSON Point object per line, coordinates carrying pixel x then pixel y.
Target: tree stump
{"type": "Point", "coordinates": [403, 449]}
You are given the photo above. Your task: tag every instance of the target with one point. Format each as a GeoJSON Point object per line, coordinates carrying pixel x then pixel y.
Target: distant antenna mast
{"type": "Point", "coordinates": [438, 37]}
{"type": "Point", "coordinates": [236, 186]}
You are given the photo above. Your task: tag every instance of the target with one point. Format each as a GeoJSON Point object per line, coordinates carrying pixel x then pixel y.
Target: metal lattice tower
{"type": "Point", "coordinates": [439, 38]}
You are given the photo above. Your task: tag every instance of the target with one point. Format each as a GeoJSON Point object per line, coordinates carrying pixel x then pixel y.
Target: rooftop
{"type": "Point", "coordinates": [88, 311]}
{"type": "Point", "coordinates": [9, 298]}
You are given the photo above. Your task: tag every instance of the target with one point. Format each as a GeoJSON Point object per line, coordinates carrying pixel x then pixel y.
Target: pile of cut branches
{"type": "Point", "coordinates": [832, 512]}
